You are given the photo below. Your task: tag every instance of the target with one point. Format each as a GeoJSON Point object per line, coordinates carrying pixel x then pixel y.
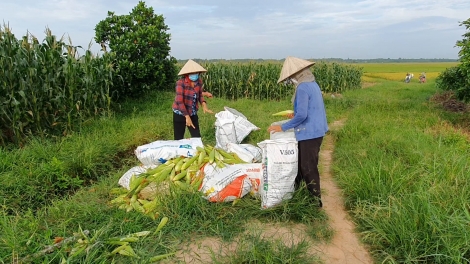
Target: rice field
{"type": "Point", "coordinates": [397, 71]}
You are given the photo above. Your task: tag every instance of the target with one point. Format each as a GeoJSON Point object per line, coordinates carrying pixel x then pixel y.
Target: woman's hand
{"type": "Point", "coordinates": [205, 109]}
{"type": "Point", "coordinates": [274, 129]}
{"type": "Point", "coordinates": [290, 116]}
{"type": "Point", "coordinates": [207, 94]}
{"type": "Point", "coordinates": [189, 122]}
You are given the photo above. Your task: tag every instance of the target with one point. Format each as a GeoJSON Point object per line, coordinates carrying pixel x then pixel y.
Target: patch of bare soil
{"type": "Point", "coordinates": [344, 247]}
{"type": "Point", "coordinates": [201, 250]}
{"type": "Point", "coordinates": [333, 95]}
{"type": "Point", "coordinates": [449, 102]}
{"type": "Point", "coordinates": [367, 84]}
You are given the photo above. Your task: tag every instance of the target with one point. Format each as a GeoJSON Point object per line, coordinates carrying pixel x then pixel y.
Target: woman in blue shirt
{"type": "Point", "coordinates": [308, 121]}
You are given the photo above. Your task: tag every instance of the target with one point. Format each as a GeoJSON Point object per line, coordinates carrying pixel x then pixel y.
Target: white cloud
{"type": "Point", "coordinates": [255, 29]}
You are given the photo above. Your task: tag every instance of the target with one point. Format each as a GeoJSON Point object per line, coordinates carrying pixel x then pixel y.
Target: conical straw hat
{"type": "Point", "coordinates": [191, 67]}
{"type": "Point", "coordinates": [291, 66]}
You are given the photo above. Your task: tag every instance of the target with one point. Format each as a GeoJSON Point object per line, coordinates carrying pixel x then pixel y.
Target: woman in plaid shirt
{"type": "Point", "coordinates": [189, 94]}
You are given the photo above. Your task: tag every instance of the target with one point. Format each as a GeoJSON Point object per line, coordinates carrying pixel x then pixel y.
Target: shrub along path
{"type": "Point", "coordinates": [344, 246]}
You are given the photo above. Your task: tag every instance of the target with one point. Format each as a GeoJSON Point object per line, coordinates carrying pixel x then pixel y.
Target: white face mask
{"type": "Point", "coordinates": [291, 81]}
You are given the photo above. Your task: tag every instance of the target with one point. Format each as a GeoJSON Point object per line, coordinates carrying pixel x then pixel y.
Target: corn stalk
{"type": "Point", "coordinates": [48, 88]}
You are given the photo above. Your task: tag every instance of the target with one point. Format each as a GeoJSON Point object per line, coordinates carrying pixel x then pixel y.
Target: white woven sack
{"type": "Point", "coordinates": [160, 151]}
{"type": "Point", "coordinates": [280, 166]}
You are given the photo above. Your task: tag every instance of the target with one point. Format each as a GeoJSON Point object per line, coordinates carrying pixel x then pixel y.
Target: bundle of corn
{"type": "Point", "coordinates": [184, 173]}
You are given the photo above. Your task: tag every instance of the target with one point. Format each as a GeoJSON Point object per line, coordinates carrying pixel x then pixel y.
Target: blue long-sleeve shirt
{"type": "Point", "coordinates": [309, 120]}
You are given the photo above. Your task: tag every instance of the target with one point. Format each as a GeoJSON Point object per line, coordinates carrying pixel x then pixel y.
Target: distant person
{"type": "Point", "coordinates": [408, 77]}
{"type": "Point", "coordinates": [309, 121]}
{"type": "Point", "coordinates": [422, 77]}
{"type": "Point", "coordinates": [189, 95]}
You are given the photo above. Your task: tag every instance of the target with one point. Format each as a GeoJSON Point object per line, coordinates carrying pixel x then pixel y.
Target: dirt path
{"type": "Point", "coordinates": [345, 247]}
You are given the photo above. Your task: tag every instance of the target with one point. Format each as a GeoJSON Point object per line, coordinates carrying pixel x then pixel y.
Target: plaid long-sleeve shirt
{"type": "Point", "coordinates": [184, 100]}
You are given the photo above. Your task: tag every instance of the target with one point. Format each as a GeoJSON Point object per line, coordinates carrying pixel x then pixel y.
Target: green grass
{"type": "Point", "coordinates": [100, 155]}
{"type": "Point", "coordinates": [406, 184]}
{"type": "Point", "coordinates": [255, 249]}
{"type": "Point", "coordinates": [402, 165]}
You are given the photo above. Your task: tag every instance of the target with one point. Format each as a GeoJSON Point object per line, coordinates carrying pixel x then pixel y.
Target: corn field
{"type": "Point", "coordinates": [48, 88]}
{"type": "Point", "coordinates": [258, 80]}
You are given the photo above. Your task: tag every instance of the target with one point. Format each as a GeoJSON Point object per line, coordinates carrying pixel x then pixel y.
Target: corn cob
{"type": "Point", "coordinates": [283, 113]}
{"type": "Point", "coordinates": [118, 191]}
{"type": "Point", "coordinates": [225, 154]}
{"type": "Point", "coordinates": [134, 181]}
{"type": "Point", "coordinates": [136, 206]}
{"type": "Point", "coordinates": [161, 225]}
{"type": "Point", "coordinates": [139, 234]}
{"type": "Point", "coordinates": [183, 185]}
{"type": "Point", "coordinates": [219, 164]}
{"type": "Point", "coordinates": [180, 176]}
{"type": "Point", "coordinates": [231, 161]}
{"type": "Point", "coordinates": [187, 178]}
{"type": "Point", "coordinates": [189, 162]}
{"type": "Point", "coordinates": [121, 243]}
{"type": "Point", "coordinates": [200, 149]}
{"type": "Point", "coordinates": [161, 257]}
{"type": "Point", "coordinates": [163, 175]}
{"type": "Point", "coordinates": [174, 161]}
{"type": "Point", "coordinates": [238, 158]}
{"type": "Point", "coordinates": [119, 199]}
{"type": "Point", "coordinates": [179, 165]}
{"type": "Point", "coordinates": [218, 155]}
{"type": "Point", "coordinates": [153, 215]}
{"type": "Point", "coordinates": [157, 169]}
{"type": "Point", "coordinates": [172, 174]}
{"type": "Point", "coordinates": [143, 201]}
{"type": "Point", "coordinates": [123, 239]}
{"type": "Point", "coordinates": [134, 198]}
{"type": "Point", "coordinates": [212, 156]}
{"type": "Point", "coordinates": [208, 149]}
{"type": "Point", "coordinates": [197, 183]}
{"type": "Point", "coordinates": [151, 206]}
{"type": "Point", "coordinates": [127, 251]}
{"type": "Point", "coordinates": [162, 168]}
{"type": "Point", "coordinates": [116, 250]}
{"type": "Point", "coordinates": [201, 157]}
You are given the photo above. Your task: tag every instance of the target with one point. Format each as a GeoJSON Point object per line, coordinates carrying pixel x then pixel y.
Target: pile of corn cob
{"type": "Point", "coordinates": [185, 173]}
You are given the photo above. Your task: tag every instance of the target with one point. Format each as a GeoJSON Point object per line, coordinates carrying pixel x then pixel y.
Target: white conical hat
{"type": "Point", "coordinates": [291, 66]}
{"type": "Point", "coordinates": [191, 67]}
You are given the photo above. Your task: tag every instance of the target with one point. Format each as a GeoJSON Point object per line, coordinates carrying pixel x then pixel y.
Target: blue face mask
{"type": "Point", "coordinates": [194, 77]}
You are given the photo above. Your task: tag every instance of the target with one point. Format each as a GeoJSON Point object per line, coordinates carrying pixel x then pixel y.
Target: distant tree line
{"type": "Point", "coordinates": [377, 60]}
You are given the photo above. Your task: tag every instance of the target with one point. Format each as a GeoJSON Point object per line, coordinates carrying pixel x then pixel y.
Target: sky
{"type": "Point", "coordinates": [274, 29]}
